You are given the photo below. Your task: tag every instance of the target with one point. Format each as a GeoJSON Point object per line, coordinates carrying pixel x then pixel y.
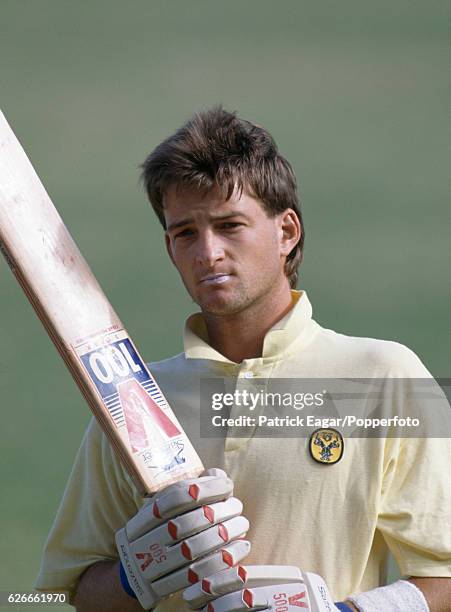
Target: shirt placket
{"type": "Point", "coordinates": [252, 377]}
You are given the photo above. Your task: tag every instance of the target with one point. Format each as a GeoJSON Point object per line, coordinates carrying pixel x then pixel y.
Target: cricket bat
{"type": "Point", "coordinates": [88, 334]}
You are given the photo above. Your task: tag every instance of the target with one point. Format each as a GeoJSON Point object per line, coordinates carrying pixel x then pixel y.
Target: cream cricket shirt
{"type": "Point", "coordinates": [336, 520]}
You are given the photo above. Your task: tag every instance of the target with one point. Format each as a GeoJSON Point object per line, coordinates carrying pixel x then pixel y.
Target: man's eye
{"type": "Point", "coordinates": [184, 233]}
{"type": "Point", "coordinates": [230, 225]}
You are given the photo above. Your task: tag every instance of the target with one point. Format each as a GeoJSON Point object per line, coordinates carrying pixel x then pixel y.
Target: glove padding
{"type": "Point", "coordinates": [189, 520]}
{"type": "Point", "coordinates": [260, 587]}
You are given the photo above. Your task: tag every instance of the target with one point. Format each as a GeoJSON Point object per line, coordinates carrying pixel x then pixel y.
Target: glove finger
{"type": "Point", "coordinates": [189, 494]}
{"type": "Point", "coordinates": [240, 601]}
{"type": "Point", "coordinates": [177, 499]}
{"type": "Point", "coordinates": [237, 578]}
{"type": "Point", "coordinates": [226, 557]}
{"type": "Point", "coordinates": [186, 525]}
{"type": "Point", "coordinates": [286, 597]}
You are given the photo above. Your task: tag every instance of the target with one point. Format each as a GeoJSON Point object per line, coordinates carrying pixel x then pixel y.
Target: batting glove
{"type": "Point", "coordinates": [279, 588]}
{"type": "Point", "coordinates": [184, 533]}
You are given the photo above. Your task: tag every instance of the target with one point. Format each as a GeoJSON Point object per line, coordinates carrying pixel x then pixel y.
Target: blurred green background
{"type": "Point", "coordinates": [357, 95]}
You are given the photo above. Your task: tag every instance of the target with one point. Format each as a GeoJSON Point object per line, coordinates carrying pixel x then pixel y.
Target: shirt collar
{"type": "Point", "coordinates": [277, 340]}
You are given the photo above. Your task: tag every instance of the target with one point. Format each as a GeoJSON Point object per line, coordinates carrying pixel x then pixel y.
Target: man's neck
{"type": "Point", "coordinates": [240, 336]}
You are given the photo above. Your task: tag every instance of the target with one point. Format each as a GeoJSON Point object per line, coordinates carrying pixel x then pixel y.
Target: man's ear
{"type": "Point", "coordinates": [167, 241]}
{"type": "Point", "coordinates": [290, 231]}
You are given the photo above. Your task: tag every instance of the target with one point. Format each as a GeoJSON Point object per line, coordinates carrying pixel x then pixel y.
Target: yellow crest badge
{"type": "Point", "coordinates": [326, 446]}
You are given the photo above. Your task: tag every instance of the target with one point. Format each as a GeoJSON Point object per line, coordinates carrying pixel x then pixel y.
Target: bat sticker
{"type": "Point", "coordinates": [128, 390]}
{"type": "Point", "coordinates": [136, 405]}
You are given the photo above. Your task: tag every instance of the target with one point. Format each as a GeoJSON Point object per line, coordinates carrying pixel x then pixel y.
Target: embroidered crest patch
{"type": "Point", "coordinates": [326, 446]}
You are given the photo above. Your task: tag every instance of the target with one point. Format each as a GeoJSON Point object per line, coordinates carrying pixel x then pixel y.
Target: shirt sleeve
{"type": "Point", "coordinates": [98, 500]}
{"type": "Point", "coordinates": [415, 518]}
{"type": "Point", "coordinates": [415, 507]}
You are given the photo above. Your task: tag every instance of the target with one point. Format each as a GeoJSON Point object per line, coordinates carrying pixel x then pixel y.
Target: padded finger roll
{"type": "Point", "coordinates": [186, 525]}
{"type": "Point", "coordinates": [239, 601]}
{"type": "Point", "coordinates": [237, 578]}
{"type": "Point", "coordinates": [281, 597]}
{"type": "Point", "coordinates": [177, 499]}
{"type": "Point", "coordinates": [224, 558]}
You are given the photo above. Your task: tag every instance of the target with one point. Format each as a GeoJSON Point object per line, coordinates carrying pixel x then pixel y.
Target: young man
{"type": "Point", "coordinates": [228, 203]}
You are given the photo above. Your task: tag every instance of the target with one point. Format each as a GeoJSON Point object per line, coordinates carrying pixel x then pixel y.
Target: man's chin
{"type": "Point", "coordinates": [221, 307]}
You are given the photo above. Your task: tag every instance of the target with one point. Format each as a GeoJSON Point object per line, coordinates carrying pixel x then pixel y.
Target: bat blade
{"type": "Point", "coordinates": [85, 329]}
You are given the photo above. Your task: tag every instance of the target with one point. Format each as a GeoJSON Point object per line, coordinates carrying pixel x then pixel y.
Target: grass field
{"type": "Point", "coordinates": [357, 96]}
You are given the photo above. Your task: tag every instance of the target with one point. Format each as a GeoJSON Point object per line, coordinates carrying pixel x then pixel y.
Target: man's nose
{"type": "Point", "coordinates": [209, 249]}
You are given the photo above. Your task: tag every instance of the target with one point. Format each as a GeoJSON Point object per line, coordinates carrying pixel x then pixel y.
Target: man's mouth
{"type": "Point", "coordinates": [215, 279]}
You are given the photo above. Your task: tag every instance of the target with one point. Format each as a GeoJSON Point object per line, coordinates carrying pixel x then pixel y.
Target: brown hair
{"type": "Point", "coordinates": [217, 149]}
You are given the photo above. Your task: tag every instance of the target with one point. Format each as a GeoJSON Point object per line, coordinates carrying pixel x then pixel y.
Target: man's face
{"type": "Point", "coordinates": [230, 254]}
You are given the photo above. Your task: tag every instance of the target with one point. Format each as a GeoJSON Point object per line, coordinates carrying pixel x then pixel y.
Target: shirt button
{"type": "Point", "coordinates": [248, 374]}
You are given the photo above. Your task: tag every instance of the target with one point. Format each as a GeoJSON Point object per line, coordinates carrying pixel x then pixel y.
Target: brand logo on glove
{"type": "Point", "coordinates": [147, 560]}
{"type": "Point", "coordinates": [156, 555]}
{"type": "Point", "coordinates": [282, 601]}
{"type": "Point", "coordinates": [295, 600]}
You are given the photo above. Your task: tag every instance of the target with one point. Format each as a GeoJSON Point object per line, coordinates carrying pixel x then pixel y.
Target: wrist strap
{"type": "Point", "coordinates": [401, 595]}
{"type": "Point", "coordinates": [125, 583]}
{"type": "Point", "coordinates": [342, 606]}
